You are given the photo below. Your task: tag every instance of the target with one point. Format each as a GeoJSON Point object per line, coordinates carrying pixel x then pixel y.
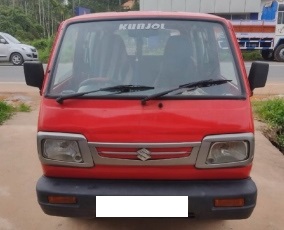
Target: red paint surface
{"type": "Point", "coordinates": [128, 122]}
{"type": "Point", "coordinates": [150, 173]}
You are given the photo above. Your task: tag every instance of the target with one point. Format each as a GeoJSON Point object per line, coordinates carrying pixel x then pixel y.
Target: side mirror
{"type": "Point", "coordinates": [3, 41]}
{"type": "Point", "coordinates": [258, 75]}
{"type": "Point", "coordinates": [34, 73]}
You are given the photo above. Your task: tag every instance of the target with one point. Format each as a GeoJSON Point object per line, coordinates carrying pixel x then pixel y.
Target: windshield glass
{"type": "Point", "coordinates": [163, 54]}
{"type": "Point", "coordinates": [10, 38]}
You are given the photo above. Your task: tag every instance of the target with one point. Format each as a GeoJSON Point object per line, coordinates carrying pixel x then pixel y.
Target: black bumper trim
{"type": "Point", "coordinates": [200, 195]}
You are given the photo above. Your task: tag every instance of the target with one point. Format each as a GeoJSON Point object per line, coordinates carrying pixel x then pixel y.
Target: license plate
{"type": "Point", "coordinates": [141, 206]}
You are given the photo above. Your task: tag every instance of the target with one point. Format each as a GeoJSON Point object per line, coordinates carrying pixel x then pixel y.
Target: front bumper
{"type": "Point", "coordinates": [31, 56]}
{"type": "Point", "coordinates": [200, 195]}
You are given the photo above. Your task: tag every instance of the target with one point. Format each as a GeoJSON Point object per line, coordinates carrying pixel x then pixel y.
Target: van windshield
{"type": "Point", "coordinates": [158, 54]}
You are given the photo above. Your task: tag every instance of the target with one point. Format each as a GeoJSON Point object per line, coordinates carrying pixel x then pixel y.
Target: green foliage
{"type": "Point", "coordinates": [6, 111]}
{"type": "Point", "coordinates": [34, 19]}
{"type": "Point", "coordinates": [280, 139]}
{"type": "Point", "coordinates": [40, 44]}
{"type": "Point", "coordinates": [14, 21]}
{"type": "Point", "coordinates": [43, 46]}
{"type": "Point", "coordinates": [23, 108]}
{"type": "Point", "coordinates": [252, 55]}
{"type": "Point", "coordinates": [44, 55]}
{"type": "Point", "coordinates": [136, 6]}
{"type": "Point", "coordinates": [272, 112]}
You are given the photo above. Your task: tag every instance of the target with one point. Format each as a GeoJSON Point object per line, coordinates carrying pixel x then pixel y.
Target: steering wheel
{"type": "Point", "coordinates": [97, 82]}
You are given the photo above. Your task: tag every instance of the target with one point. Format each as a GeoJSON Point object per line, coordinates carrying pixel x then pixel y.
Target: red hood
{"type": "Point", "coordinates": [129, 121]}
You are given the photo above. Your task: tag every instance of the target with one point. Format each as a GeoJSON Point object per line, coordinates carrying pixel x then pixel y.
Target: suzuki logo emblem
{"type": "Point", "coordinates": [143, 154]}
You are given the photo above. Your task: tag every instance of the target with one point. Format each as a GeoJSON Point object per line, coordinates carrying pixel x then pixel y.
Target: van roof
{"type": "Point", "coordinates": [145, 14]}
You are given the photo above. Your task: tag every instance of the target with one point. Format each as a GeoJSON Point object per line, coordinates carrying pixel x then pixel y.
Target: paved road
{"type": "Point", "coordinates": [275, 71]}
{"type": "Point", "coordinates": [9, 73]}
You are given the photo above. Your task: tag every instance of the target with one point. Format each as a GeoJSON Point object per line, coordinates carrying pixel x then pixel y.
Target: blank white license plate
{"type": "Point", "coordinates": [141, 206]}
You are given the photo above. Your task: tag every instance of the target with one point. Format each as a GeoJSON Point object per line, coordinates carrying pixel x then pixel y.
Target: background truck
{"type": "Point", "coordinates": [146, 104]}
{"type": "Point", "coordinates": [258, 24]}
{"type": "Point", "coordinates": [266, 35]}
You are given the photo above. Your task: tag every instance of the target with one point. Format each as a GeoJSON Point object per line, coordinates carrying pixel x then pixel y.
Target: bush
{"type": "Point", "coordinates": [40, 44]}
{"type": "Point", "coordinates": [251, 55]}
{"type": "Point", "coordinates": [44, 48]}
{"type": "Point", "coordinates": [272, 112]}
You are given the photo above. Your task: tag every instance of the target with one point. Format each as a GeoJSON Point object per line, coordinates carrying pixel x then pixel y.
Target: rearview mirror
{"type": "Point", "coordinates": [34, 73]}
{"type": "Point", "coordinates": [142, 33]}
{"type": "Point", "coordinates": [3, 41]}
{"type": "Point", "coordinates": [258, 75]}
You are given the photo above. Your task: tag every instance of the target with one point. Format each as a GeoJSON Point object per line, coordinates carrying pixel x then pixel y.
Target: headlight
{"type": "Point", "coordinates": [227, 152]}
{"type": "Point", "coordinates": [62, 150]}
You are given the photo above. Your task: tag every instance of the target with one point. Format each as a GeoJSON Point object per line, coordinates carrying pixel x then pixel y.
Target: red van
{"type": "Point", "coordinates": [146, 104]}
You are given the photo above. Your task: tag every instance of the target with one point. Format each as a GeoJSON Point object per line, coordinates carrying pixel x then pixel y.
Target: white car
{"type": "Point", "coordinates": [12, 50]}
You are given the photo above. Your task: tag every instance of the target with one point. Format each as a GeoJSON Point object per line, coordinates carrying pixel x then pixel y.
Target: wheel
{"type": "Point", "coordinates": [279, 53]}
{"type": "Point", "coordinates": [16, 59]}
{"type": "Point", "coordinates": [267, 55]}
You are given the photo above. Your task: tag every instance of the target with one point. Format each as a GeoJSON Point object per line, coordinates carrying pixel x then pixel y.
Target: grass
{"type": "Point", "coordinates": [271, 112]}
{"type": "Point", "coordinates": [7, 110]}
{"type": "Point", "coordinates": [23, 108]}
{"type": "Point", "coordinates": [252, 55]}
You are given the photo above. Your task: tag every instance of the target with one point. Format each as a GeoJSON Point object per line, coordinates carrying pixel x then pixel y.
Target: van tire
{"type": "Point", "coordinates": [279, 53]}
{"type": "Point", "coordinates": [16, 59]}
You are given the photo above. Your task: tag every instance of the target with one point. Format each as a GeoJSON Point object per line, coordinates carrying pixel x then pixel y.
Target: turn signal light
{"type": "Point", "coordinates": [62, 199]}
{"type": "Point", "coordinates": [232, 202]}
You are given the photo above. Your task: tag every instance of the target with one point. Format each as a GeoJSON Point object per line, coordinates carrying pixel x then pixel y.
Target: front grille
{"type": "Point", "coordinates": [34, 56]}
{"type": "Point", "coordinates": [153, 153]}
{"type": "Point", "coordinates": [183, 153]}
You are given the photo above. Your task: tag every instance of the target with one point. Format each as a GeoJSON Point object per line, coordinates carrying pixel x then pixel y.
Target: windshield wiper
{"type": "Point", "coordinates": [117, 88]}
{"type": "Point", "coordinates": [197, 84]}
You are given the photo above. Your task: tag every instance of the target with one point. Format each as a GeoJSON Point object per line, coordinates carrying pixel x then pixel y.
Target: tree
{"type": "Point", "coordinates": [14, 21]}
{"type": "Point", "coordinates": [42, 17]}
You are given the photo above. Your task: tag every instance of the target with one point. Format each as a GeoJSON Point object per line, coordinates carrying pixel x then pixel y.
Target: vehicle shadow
{"type": "Point", "coordinates": [147, 223]}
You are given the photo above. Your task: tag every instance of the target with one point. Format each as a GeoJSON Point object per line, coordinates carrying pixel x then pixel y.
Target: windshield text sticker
{"type": "Point", "coordinates": [142, 26]}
